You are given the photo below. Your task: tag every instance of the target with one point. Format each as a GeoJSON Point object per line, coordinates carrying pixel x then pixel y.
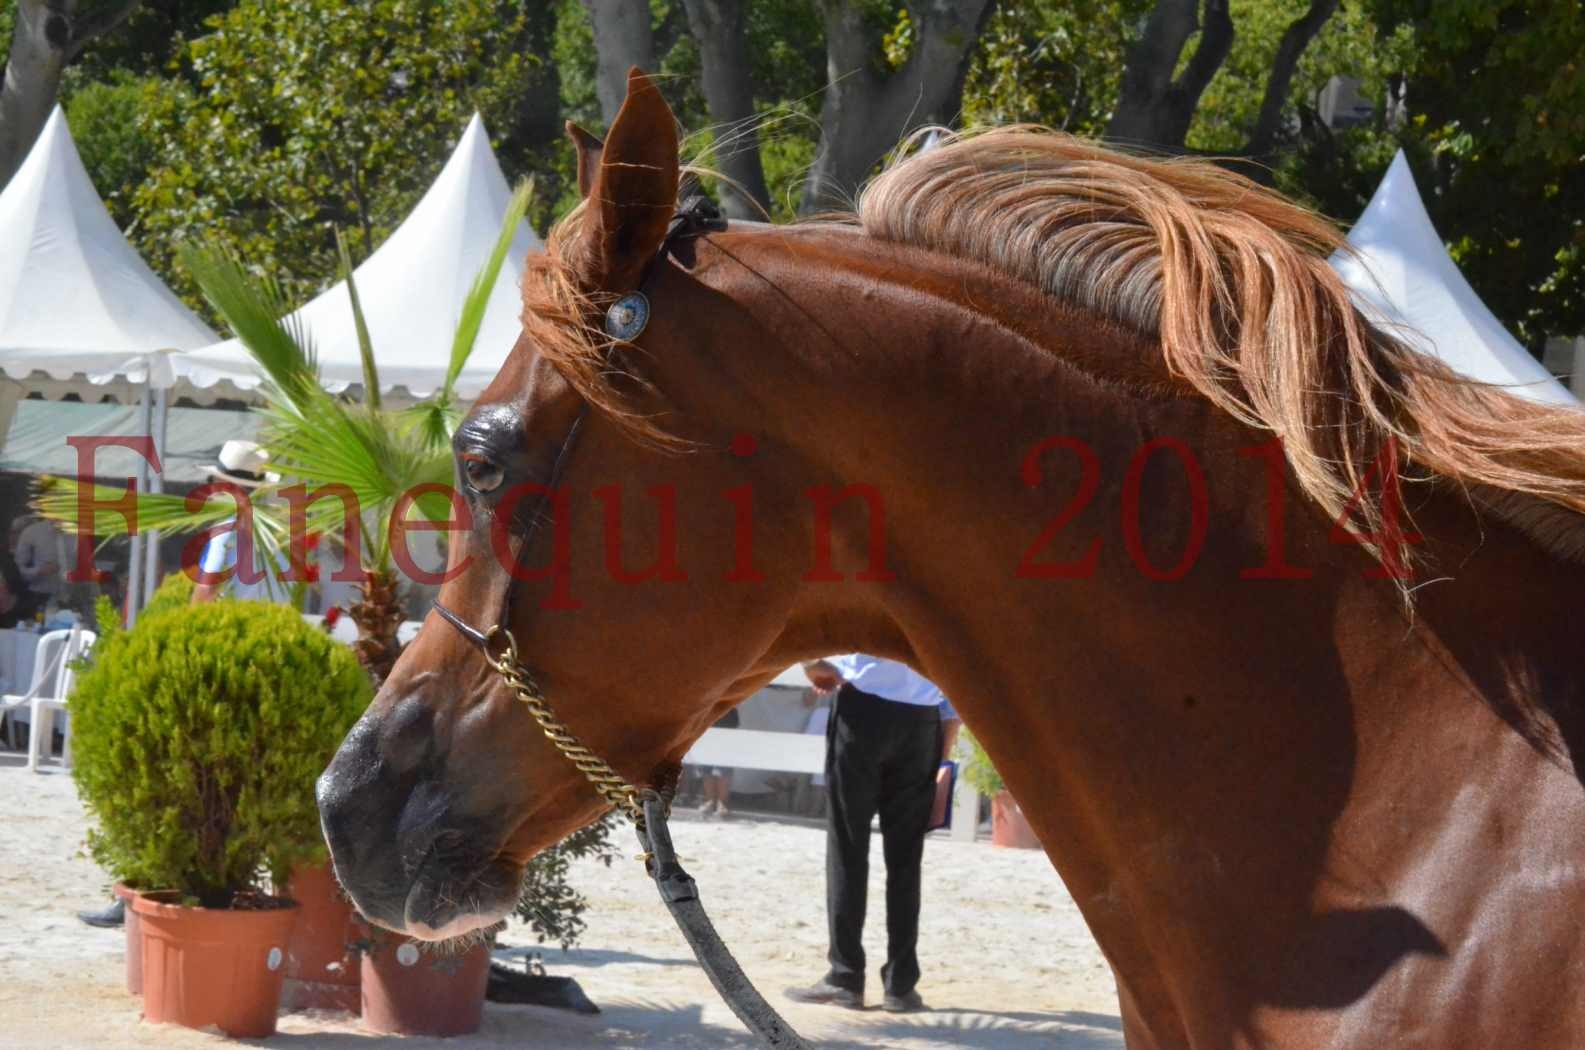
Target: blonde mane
{"type": "Point", "coordinates": [1233, 282]}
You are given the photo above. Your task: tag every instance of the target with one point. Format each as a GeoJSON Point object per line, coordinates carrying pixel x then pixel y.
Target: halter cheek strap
{"type": "Point", "coordinates": [478, 638]}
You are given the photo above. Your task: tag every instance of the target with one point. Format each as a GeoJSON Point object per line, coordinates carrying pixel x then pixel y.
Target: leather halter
{"type": "Point", "coordinates": [648, 807]}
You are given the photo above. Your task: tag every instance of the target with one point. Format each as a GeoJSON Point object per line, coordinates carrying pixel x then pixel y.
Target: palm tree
{"type": "Point", "coordinates": [314, 438]}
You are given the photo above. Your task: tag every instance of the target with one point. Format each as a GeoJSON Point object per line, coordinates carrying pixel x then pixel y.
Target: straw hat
{"type": "Point", "coordinates": [242, 463]}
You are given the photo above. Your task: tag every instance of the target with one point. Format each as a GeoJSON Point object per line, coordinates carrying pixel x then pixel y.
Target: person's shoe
{"type": "Point", "coordinates": [906, 1003]}
{"type": "Point", "coordinates": [824, 993]}
{"type": "Point", "coordinates": [109, 918]}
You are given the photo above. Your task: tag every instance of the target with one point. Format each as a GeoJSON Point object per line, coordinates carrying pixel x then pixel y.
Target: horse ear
{"type": "Point", "coordinates": [633, 194]}
{"type": "Point", "coordinates": [589, 149]}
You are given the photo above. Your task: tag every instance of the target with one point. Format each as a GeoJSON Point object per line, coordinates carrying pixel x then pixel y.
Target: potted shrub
{"type": "Point", "coordinates": [1008, 827]}
{"type": "Point", "coordinates": [175, 591]}
{"type": "Point", "coordinates": [198, 738]}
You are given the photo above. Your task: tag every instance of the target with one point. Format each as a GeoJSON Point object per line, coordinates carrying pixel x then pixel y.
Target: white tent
{"type": "Point", "coordinates": [75, 299]}
{"type": "Point", "coordinates": [80, 311]}
{"type": "Point", "coordinates": [411, 291]}
{"type": "Point", "coordinates": [1402, 277]}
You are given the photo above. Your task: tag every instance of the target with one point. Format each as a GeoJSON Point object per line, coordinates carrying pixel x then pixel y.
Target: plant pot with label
{"type": "Point", "coordinates": [409, 988]}
{"type": "Point", "coordinates": [219, 967]}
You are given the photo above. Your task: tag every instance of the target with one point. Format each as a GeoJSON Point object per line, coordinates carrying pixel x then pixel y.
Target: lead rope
{"type": "Point", "coordinates": [649, 811]}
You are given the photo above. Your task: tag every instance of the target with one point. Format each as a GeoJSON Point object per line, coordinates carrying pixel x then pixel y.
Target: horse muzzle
{"type": "Point", "coordinates": [409, 856]}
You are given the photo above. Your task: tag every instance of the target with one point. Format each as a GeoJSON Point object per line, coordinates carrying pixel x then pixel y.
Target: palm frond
{"type": "Point", "coordinates": [433, 422]}
{"type": "Point", "coordinates": [478, 298]}
{"type": "Point", "coordinates": [371, 375]}
{"type": "Point", "coordinates": [59, 500]}
{"type": "Point", "coordinates": [436, 419]}
{"type": "Point", "coordinates": [259, 315]}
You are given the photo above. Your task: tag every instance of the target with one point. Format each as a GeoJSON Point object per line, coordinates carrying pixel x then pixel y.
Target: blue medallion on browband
{"type": "Point", "coordinates": [627, 317]}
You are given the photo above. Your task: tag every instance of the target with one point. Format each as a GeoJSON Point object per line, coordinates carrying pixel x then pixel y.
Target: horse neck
{"type": "Point", "coordinates": [1199, 750]}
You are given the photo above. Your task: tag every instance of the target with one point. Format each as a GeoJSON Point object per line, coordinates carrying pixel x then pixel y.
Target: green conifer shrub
{"type": "Point", "coordinates": [977, 770]}
{"type": "Point", "coordinates": [198, 736]}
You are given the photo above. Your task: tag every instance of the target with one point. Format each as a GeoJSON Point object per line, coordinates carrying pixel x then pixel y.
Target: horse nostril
{"type": "Point", "coordinates": [407, 737]}
{"type": "Point", "coordinates": [448, 844]}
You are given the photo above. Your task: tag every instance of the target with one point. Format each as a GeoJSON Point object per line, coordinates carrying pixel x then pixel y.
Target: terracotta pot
{"type": "Point", "coordinates": [134, 931]}
{"type": "Point", "coordinates": [409, 991]}
{"type": "Point", "coordinates": [1009, 829]}
{"type": "Point", "coordinates": [213, 966]}
{"type": "Point", "coordinates": [322, 970]}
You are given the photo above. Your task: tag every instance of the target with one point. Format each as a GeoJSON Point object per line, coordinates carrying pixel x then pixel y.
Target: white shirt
{"type": "Point", "coordinates": [40, 546]}
{"type": "Point", "coordinates": [889, 680]}
{"type": "Point", "coordinates": [220, 554]}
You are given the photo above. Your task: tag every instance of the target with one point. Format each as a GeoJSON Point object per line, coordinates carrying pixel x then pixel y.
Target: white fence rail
{"type": "Point", "coordinates": [804, 753]}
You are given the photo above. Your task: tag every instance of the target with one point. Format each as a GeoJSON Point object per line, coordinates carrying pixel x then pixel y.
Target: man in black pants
{"type": "Point", "coordinates": [884, 747]}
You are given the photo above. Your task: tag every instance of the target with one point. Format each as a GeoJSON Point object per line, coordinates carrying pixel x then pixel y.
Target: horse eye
{"type": "Point", "coordinates": [483, 476]}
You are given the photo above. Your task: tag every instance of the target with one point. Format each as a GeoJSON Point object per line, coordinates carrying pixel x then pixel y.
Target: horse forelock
{"type": "Point", "coordinates": [1229, 278]}
{"type": "Point", "coordinates": [561, 320]}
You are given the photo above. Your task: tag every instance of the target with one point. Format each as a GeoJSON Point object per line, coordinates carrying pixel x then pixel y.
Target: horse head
{"type": "Point", "coordinates": [594, 546]}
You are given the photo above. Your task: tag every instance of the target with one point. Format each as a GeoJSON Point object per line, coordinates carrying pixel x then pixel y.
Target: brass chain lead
{"type": "Point", "coordinates": [610, 785]}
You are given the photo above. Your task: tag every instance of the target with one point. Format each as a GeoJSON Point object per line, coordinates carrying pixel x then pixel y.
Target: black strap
{"type": "Point", "coordinates": [681, 896]}
{"type": "Point", "coordinates": [695, 216]}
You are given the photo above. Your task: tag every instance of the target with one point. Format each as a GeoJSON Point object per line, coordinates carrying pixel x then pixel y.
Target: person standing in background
{"type": "Point", "coordinates": [17, 603]}
{"type": "Point", "coordinates": [242, 464]}
{"type": "Point", "coordinates": [889, 731]}
{"type": "Point", "coordinates": [717, 786]}
{"type": "Point", "coordinates": [39, 551]}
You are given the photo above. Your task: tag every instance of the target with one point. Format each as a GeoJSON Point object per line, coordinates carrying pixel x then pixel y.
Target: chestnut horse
{"type": "Point", "coordinates": [1270, 624]}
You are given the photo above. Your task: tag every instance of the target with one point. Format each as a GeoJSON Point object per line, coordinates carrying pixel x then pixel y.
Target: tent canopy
{"type": "Point", "coordinates": [1404, 280]}
{"type": "Point", "coordinates": [412, 290]}
{"type": "Point", "coordinates": [75, 299]}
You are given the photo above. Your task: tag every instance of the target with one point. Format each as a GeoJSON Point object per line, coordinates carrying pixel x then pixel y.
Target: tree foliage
{"type": "Point", "coordinates": [262, 124]}
{"type": "Point", "coordinates": [1057, 64]}
{"type": "Point", "coordinates": [1496, 100]}
{"type": "Point", "coordinates": [550, 905]}
{"type": "Point", "coordinates": [292, 118]}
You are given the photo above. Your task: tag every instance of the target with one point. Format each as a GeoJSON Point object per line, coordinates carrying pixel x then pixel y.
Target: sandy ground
{"type": "Point", "coordinates": [1007, 961]}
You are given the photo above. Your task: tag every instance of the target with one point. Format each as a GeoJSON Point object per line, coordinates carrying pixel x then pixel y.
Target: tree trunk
{"type": "Point", "coordinates": [378, 614]}
{"type": "Point", "coordinates": [47, 35]}
{"type": "Point", "coordinates": [1295, 39]}
{"type": "Point", "coordinates": [623, 38]}
{"type": "Point", "coordinates": [866, 113]}
{"type": "Point", "coordinates": [1154, 109]}
{"type": "Point", "coordinates": [718, 26]}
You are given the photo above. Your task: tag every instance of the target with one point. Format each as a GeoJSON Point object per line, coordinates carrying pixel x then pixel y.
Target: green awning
{"type": "Point", "coordinates": [36, 442]}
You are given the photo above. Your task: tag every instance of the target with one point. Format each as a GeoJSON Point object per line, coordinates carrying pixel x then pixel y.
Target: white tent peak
{"type": "Point", "coordinates": [74, 295]}
{"type": "Point", "coordinates": [412, 290]}
{"type": "Point", "coordinates": [1403, 278]}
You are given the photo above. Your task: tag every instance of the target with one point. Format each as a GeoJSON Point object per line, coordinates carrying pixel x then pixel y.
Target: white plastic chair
{"type": "Point", "coordinates": [46, 695]}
